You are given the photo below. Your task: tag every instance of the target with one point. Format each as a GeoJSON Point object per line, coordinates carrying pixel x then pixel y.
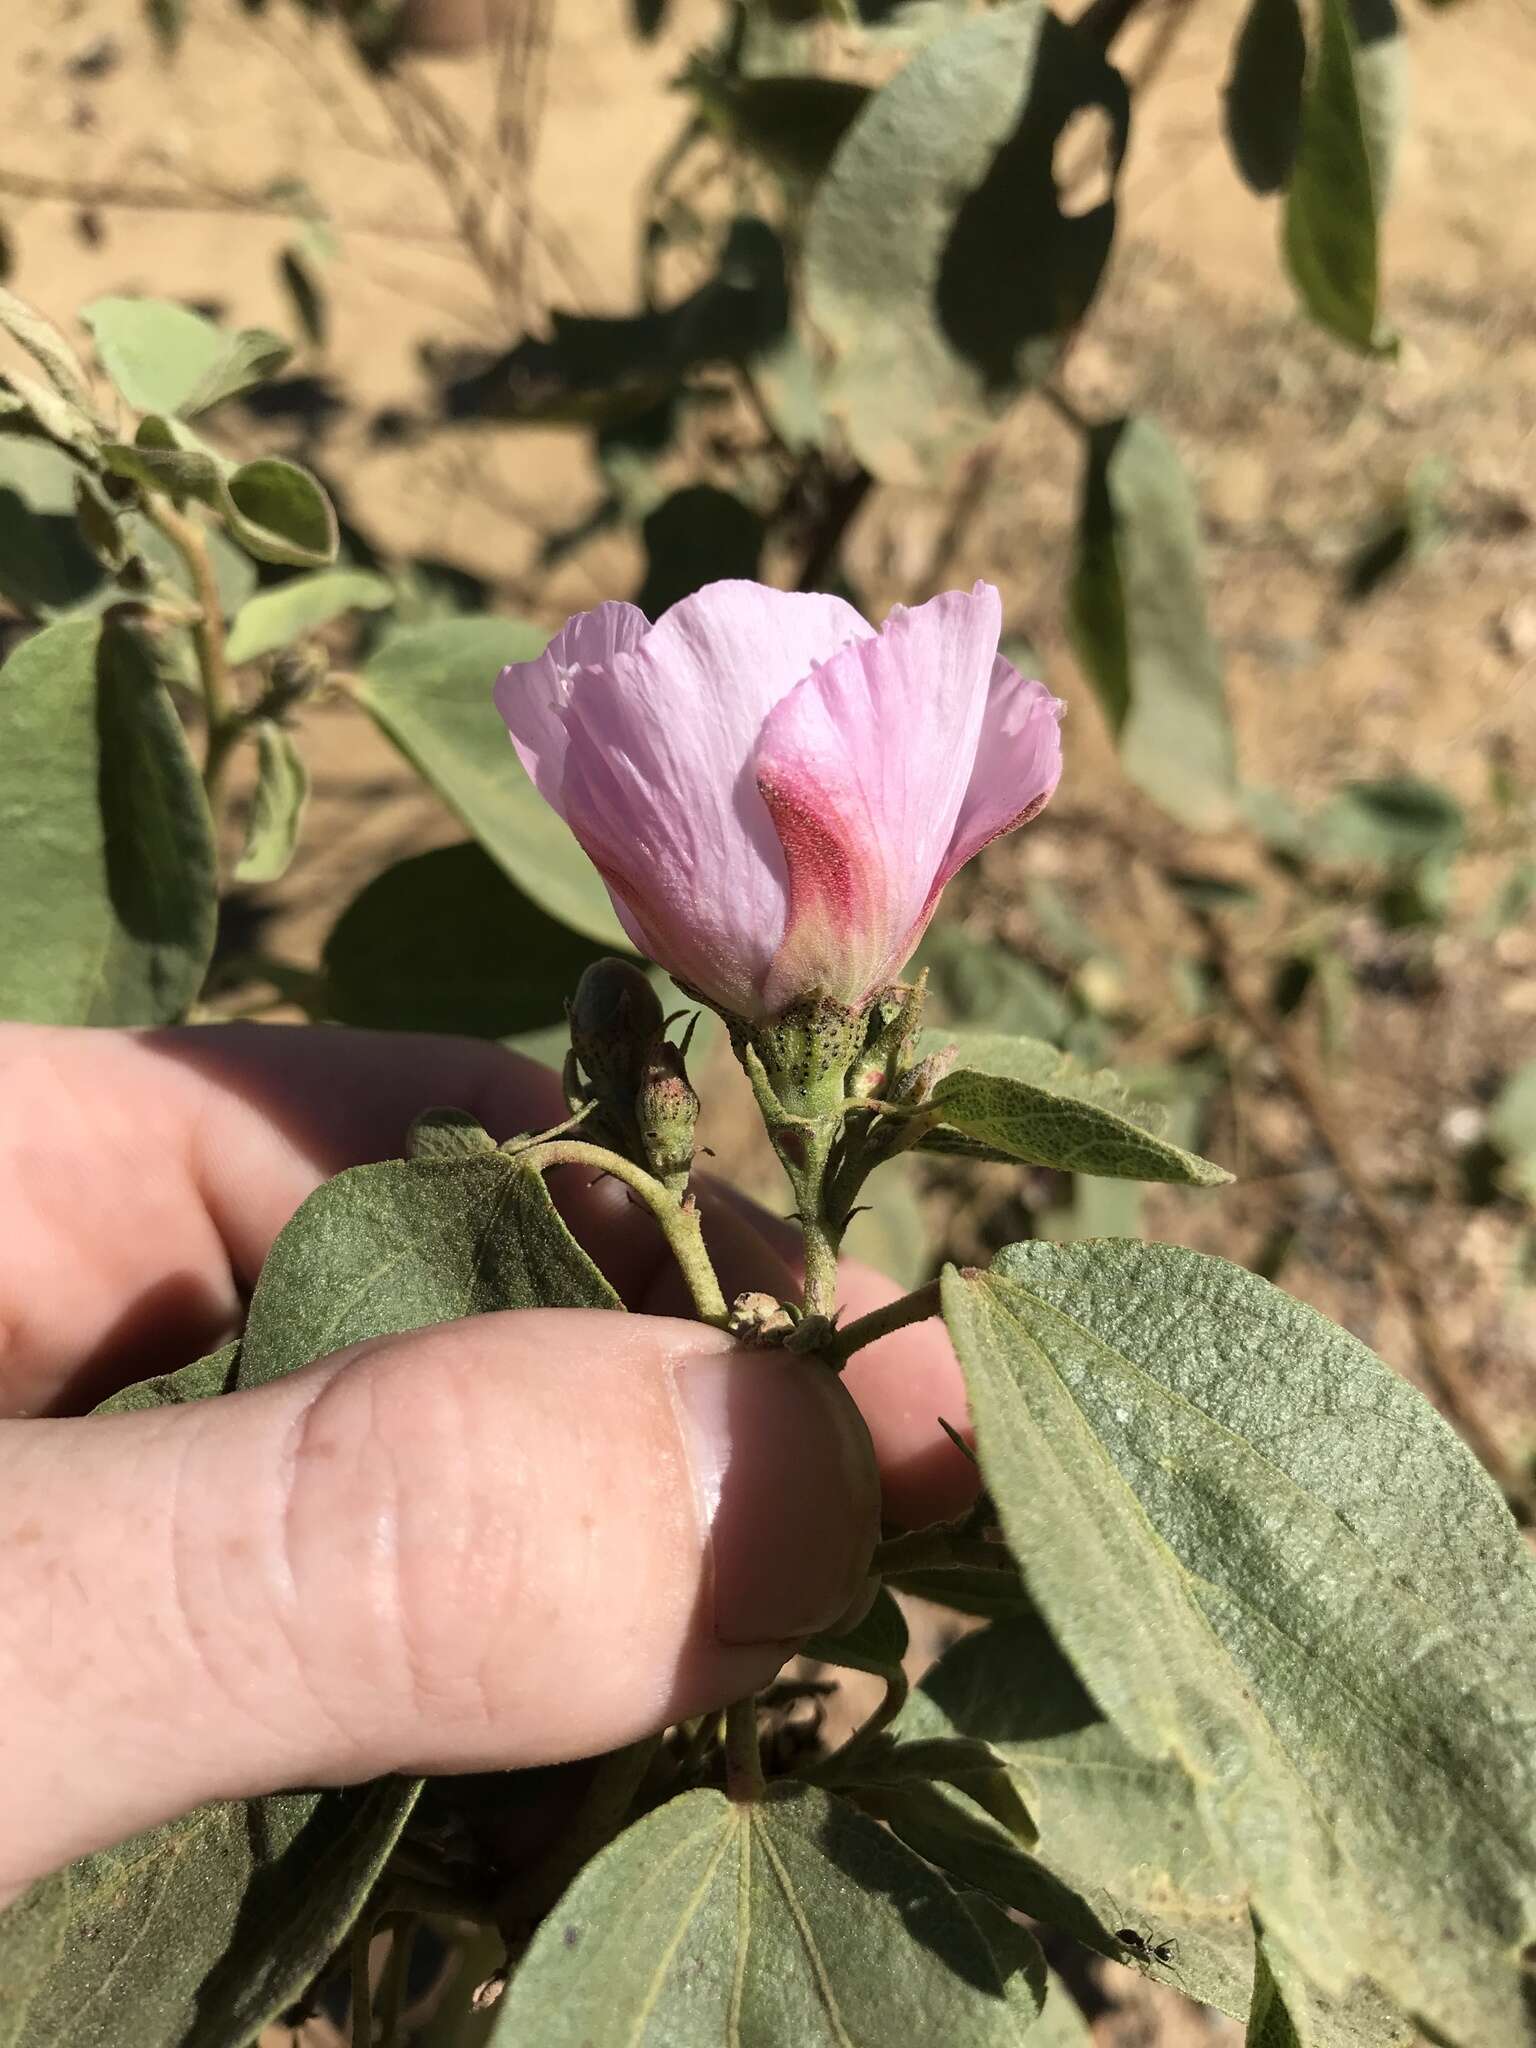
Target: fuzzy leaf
{"type": "Point", "coordinates": [107, 879]}
{"type": "Point", "coordinates": [277, 617]}
{"type": "Point", "coordinates": [941, 269]}
{"type": "Point", "coordinates": [1015, 1098]}
{"type": "Point", "coordinates": [277, 808]}
{"type": "Point", "coordinates": [1272, 1564]}
{"type": "Point", "coordinates": [792, 1919]}
{"type": "Point", "coordinates": [430, 690]}
{"type": "Point", "coordinates": [1139, 627]}
{"type": "Point", "coordinates": [399, 1246]}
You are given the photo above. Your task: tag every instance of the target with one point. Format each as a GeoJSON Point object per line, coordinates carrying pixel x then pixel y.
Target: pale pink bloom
{"type": "Point", "coordinates": [775, 793]}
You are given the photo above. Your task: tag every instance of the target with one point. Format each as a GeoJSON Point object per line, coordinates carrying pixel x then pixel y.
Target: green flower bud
{"type": "Point", "coordinates": [615, 1018]}
{"type": "Point", "coordinates": [667, 1112]}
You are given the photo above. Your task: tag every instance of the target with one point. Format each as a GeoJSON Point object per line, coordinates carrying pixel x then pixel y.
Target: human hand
{"type": "Point", "coordinates": [497, 1543]}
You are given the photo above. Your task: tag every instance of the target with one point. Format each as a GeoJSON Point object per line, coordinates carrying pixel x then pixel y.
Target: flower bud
{"type": "Point", "coordinates": [615, 1018]}
{"type": "Point", "coordinates": [667, 1113]}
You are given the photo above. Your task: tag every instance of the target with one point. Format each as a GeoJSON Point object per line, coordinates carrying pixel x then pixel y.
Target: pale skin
{"type": "Point", "coordinates": [494, 1544]}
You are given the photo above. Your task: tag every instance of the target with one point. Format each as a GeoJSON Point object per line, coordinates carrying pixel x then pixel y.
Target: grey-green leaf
{"type": "Point", "coordinates": [878, 1644]}
{"type": "Point", "coordinates": [1263, 96]}
{"type": "Point", "coordinates": [1121, 1831]}
{"type": "Point", "coordinates": [277, 617]}
{"type": "Point", "coordinates": [1272, 1563]}
{"type": "Point", "coordinates": [941, 270]}
{"type": "Point", "coordinates": [1015, 1098]}
{"type": "Point", "coordinates": [442, 941]}
{"type": "Point", "coordinates": [448, 1134]}
{"type": "Point", "coordinates": [1137, 615]}
{"type": "Point", "coordinates": [107, 880]}
{"type": "Point", "coordinates": [791, 1920]}
{"type": "Point", "coordinates": [277, 807]}
{"type": "Point", "coordinates": [196, 1934]}
{"type": "Point", "coordinates": [384, 1249]}
{"type": "Point", "coordinates": [164, 358]}
{"type": "Point", "coordinates": [203, 1380]}
{"type": "Point", "coordinates": [280, 513]}
{"type": "Point", "coordinates": [49, 350]}
{"type": "Point", "coordinates": [430, 690]}
{"type": "Point", "coordinates": [1287, 2012]}
{"type": "Point", "coordinates": [1338, 181]}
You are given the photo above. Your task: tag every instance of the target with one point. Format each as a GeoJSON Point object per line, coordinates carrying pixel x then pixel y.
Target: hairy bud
{"type": "Point", "coordinates": [667, 1113]}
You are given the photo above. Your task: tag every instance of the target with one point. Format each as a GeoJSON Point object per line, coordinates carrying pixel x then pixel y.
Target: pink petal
{"type": "Point", "coordinates": [1018, 765]}
{"type": "Point", "coordinates": [532, 695]}
{"type": "Point", "coordinates": [865, 768]}
{"type": "Point", "coordinates": [658, 784]}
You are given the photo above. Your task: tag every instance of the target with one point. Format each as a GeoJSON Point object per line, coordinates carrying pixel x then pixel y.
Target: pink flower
{"type": "Point", "coordinates": [775, 793]}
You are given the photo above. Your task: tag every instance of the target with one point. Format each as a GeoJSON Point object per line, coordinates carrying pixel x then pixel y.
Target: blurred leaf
{"type": "Point", "coordinates": [1339, 181]}
{"type": "Point", "coordinates": [602, 369]}
{"type": "Point", "coordinates": [306, 294]}
{"type": "Point", "coordinates": [1121, 1832]}
{"type": "Point", "coordinates": [430, 690]}
{"type": "Point", "coordinates": [50, 351]}
{"type": "Point", "coordinates": [7, 251]}
{"type": "Point", "coordinates": [277, 807]}
{"type": "Point", "coordinates": [28, 405]}
{"type": "Point", "coordinates": [1410, 527]}
{"type": "Point", "coordinates": [699, 535]}
{"type": "Point", "coordinates": [287, 611]}
{"type": "Point", "coordinates": [1263, 97]}
{"type": "Point", "coordinates": [1093, 1207]}
{"type": "Point", "coordinates": [941, 269]}
{"type": "Point", "coordinates": [1241, 1526]}
{"type": "Point", "coordinates": [889, 1231]}
{"type": "Point", "coordinates": [168, 20]}
{"type": "Point", "coordinates": [164, 358]}
{"type": "Point", "coordinates": [648, 18]}
{"type": "Point", "coordinates": [107, 877]}
{"type": "Point", "coordinates": [443, 941]}
{"type": "Point", "coordinates": [1398, 819]}
{"type": "Point", "coordinates": [877, 1645]}
{"type": "Point", "coordinates": [45, 565]}
{"type": "Point", "coordinates": [1014, 1098]}
{"type": "Point", "coordinates": [792, 123]}
{"type": "Point", "coordinates": [199, 1933]}
{"type": "Point", "coordinates": [788, 1919]}
{"type": "Point", "coordinates": [454, 1239]}
{"type": "Point", "coordinates": [980, 982]}
{"type": "Point", "coordinates": [1287, 2012]}
{"type": "Point", "coordinates": [1139, 627]}
{"type": "Point", "coordinates": [1061, 2024]}
{"type": "Point", "coordinates": [1512, 1127]}
{"type": "Point", "coordinates": [155, 352]}
{"type": "Point", "coordinates": [202, 1380]}
{"type": "Point", "coordinates": [275, 510]}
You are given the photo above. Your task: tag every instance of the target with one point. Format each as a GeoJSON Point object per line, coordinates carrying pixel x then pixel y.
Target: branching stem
{"type": "Point", "coordinates": [222, 709]}
{"type": "Point", "coordinates": [678, 1216]}
{"type": "Point", "coordinates": [915, 1307]}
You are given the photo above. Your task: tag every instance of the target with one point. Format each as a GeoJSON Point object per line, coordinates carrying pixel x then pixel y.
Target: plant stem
{"type": "Point", "coordinates": [835, 1766]}
{"type": "Point", "coordinates": [915, 1307]}
{"type": "Point", "coordinates": [744, 1780]}
{"type": "Point", "coordinates": [221, 706]}
{"type": "Point", "coordinates": [677, 1215]}
{"type": "Point", "coordinates": [396, 1977]}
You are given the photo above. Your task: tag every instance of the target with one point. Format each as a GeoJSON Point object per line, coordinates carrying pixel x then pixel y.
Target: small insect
{"type": "Point", "coordinates": [1145, 1950]}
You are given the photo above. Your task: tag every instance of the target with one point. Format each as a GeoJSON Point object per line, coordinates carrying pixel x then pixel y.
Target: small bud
{"type": "Point", "coordinates": [615, 1019]}
{"type": "Point", "coordinates": [667, 1112]}
{"type": "Point", "coordinates": [919, 1082]}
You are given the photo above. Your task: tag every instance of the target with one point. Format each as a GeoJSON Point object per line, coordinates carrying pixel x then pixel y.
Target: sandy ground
{"type": "Point", "coordinates": [1296, 448]}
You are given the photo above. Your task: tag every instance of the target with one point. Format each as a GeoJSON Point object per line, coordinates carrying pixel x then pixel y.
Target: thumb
{"type": "Point", "coordinates": [508, 1541]}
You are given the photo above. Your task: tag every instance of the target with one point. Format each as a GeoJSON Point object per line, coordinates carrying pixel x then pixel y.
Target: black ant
{"type": "Point", "coordinates": [1145, 1948]}
{"type": "Point", "coordinates": [1142, 1950]}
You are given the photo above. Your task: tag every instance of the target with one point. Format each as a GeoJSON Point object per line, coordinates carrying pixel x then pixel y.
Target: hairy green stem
{"type": "Point", "coordinates": [915, 1307]}
{"type": "Point", "coordinates": [677, 1215]}
{"type": "Point", "coordinates": [743, 1754]}
{"type": "Point", "coordinates": [222, 709]}
{"type": "Point", "coordinates": [836, 1765]}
